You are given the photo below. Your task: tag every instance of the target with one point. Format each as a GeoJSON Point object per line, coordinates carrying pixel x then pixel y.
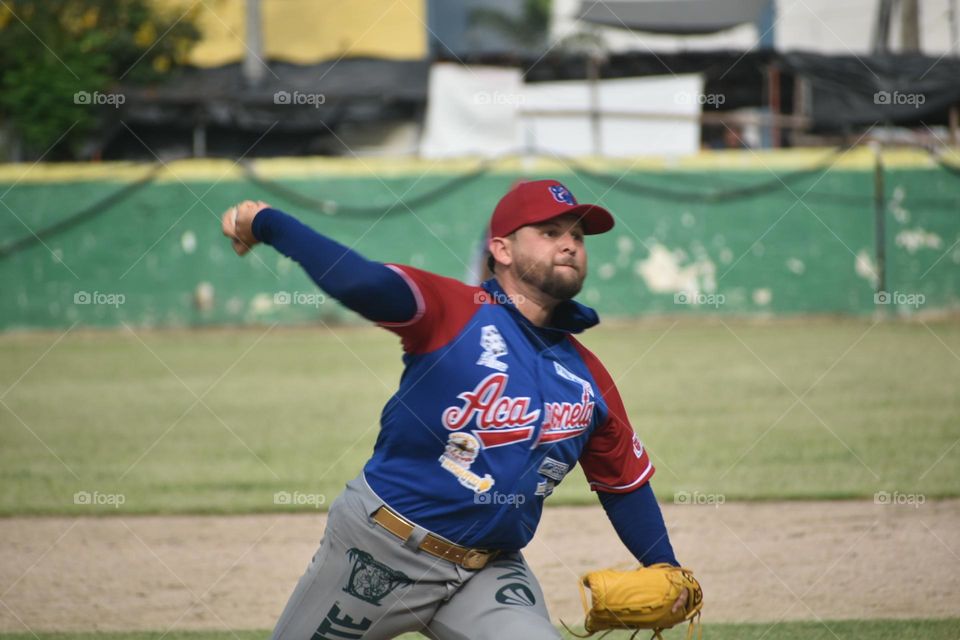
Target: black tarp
{"type": "Point", "coordinates": [855, 91]}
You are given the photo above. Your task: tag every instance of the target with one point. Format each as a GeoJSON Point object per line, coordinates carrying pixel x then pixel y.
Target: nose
{"type": "Point", "coordinates": [568, 244]}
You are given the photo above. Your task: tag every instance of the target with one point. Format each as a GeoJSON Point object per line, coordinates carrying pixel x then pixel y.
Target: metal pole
{"type": "Point", "coordinates": [593, 69]}
{"type": "Point", "coordinates": [253, 64]}
{"type": "Point", "coordinates": [879, 219]}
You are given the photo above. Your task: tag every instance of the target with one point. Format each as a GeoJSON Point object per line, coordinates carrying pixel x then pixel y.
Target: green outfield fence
{"type": "Point", "coordinates": [838, 231]}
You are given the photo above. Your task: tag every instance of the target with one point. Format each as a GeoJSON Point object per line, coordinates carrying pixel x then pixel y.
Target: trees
{"type": "Point", "coordinates": [60, 60]}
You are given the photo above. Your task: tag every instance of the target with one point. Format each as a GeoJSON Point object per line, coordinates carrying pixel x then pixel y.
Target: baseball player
{"type": "Point", "coordinates": [497, 402]}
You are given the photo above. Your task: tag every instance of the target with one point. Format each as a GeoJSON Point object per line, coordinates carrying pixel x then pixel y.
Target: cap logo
{"type": "Point", "coordinates": [561, 194]}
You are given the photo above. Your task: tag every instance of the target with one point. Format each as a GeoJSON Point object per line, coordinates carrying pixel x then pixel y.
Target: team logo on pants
{"type": "Point", "coordinates": [370, 580]}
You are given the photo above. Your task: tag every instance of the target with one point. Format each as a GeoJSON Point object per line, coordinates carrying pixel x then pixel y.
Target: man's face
{"type": "Point", "coordinates": [551, 256]}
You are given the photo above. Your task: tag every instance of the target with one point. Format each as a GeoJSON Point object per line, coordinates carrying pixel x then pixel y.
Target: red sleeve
{"type": "Point", "coordinates": [614, 460]}
{"type": "Point", "coordinates": [444, 306]}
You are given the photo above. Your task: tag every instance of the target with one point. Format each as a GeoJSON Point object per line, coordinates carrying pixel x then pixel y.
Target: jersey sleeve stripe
{"type": "Point", "coordinates": [418, 296]}
{"type": "Point", "coordinates": [636, 483]}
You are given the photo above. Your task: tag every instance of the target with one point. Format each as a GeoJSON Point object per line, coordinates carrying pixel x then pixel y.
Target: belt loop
{"type": "Point", "coordinates": [415, 538]}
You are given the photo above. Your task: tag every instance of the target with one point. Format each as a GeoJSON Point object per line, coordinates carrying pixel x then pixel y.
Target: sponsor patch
{"type": "Point", "coordinates": [553, 469]}
{"type": "Point", "coordinates": [459, 453]}
{"type": "Point", "coordinates": [545, 488]}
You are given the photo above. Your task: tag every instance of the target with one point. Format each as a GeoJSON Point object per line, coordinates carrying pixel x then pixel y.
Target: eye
{"type": "Point", "coordinates": [550, 233]}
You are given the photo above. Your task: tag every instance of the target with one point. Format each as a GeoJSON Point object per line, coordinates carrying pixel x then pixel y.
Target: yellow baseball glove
{"type": "Point", "coordinates": [639, 599]}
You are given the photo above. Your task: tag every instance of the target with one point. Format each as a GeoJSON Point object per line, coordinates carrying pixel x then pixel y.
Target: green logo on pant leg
{"type": "Point", "coordinates": [516, 593]}
{"type": "Point", "coordinates": [370, 580]}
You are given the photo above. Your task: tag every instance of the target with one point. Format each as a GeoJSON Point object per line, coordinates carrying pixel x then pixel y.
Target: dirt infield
{"type": "Point", "coordinates": [757, 562]}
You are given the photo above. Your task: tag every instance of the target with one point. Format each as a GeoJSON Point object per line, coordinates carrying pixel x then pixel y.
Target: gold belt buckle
{"type": "Point", "coordinates": [475, 559]}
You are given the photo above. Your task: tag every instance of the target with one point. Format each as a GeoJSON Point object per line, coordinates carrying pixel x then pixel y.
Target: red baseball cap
{"type": "Point", "coordinates": [539, 201]}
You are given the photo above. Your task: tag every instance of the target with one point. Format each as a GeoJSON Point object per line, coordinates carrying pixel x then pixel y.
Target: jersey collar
{"type": "Point", "coordinates": [569, 317]}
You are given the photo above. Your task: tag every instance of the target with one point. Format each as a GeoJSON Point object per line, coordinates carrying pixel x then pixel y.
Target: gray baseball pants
{"type": "Point", "coordinates": [364, 582]}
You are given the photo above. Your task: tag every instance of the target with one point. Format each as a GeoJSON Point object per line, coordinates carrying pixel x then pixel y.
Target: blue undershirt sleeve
{"type": "Point", "coordinates": [637, 519]}
{"type": "Point", "coordinates": [370, 288]}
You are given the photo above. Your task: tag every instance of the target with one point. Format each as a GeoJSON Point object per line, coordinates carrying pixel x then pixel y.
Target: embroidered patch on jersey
{"type": "Point", "coordinates": [637, 446]}
{"type": "Point", "coordinates": [494, 346]}
{"type": "Point", "coordinates": [500, 419]}
{"type": "Point", "coordinates": [545, 488]}
{"type": "Point", "coordinates": [553, 469]}
{"type": "Point", "coordinates": [561, 194]}
{"type": "Point", "coordinates": [458, 455]}
{"type": "Point", "coordinates": [371, 580]}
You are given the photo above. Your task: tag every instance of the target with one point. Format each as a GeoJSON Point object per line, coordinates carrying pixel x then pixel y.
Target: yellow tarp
{"type": "Point", "coordinates": [308, 31]}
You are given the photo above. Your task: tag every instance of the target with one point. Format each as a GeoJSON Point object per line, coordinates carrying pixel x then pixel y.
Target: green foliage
{"type": "Point", "coordinates": [54, 51]}
{"type": "Point", "coordinates": [527, 31]}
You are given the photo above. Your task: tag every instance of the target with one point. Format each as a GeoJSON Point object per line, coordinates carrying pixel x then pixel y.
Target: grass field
{"type": "Point", "coordinates": [947, 629]}
{"type": "Point", "coordinates": [219, 421]}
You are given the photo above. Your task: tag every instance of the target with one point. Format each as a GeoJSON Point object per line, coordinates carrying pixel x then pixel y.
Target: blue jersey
{"type": "Point", "coordinates": [492, 412]}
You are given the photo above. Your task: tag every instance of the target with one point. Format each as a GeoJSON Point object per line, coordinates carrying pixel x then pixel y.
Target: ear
{"type": "Point", "coordinates": [501, 250]}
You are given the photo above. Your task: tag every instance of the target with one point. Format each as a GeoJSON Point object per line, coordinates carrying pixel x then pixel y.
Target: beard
{"type": "Point", "coordinates": [554, 281]}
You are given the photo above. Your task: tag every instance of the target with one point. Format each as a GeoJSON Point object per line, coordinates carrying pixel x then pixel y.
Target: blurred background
{"type": "Point", "coordinates": [779, 296]}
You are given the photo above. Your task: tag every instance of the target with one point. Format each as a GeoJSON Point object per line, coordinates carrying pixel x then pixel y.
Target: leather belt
{"type": "Point", "coordinates": [467, 558]}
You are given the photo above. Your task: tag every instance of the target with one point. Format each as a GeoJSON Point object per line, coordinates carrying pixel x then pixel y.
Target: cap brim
{"type": "Point", "coordinates": [594, 218]}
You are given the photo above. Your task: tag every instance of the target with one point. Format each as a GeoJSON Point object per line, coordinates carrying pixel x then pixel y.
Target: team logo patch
{"type": "Point", "coordinates": [458, 455]}
{"type": "Point", "coordinates": [637, 446]}
{"type": "Point", "coordinates": [370, 580]}
{"type": "Point", "coordinates": [561, 194]}
{"type": "Point", "coordinates": [494, 346]}
{"type": "Point", "coordinates": [500, 419]}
